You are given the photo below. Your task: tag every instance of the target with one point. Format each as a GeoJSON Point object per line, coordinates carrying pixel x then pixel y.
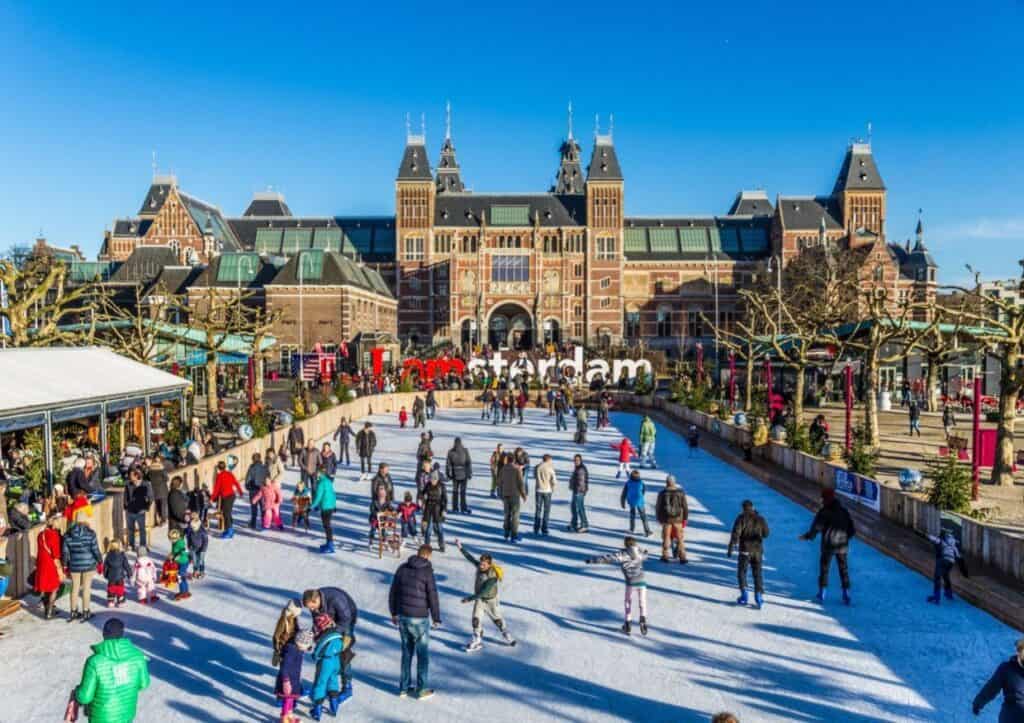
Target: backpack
{"type": "Point", "coordinates": [674, 504]}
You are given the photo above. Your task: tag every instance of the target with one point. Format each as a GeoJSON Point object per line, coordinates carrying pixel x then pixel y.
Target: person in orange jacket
{"type": "Point", "coordinates": [225, 489]}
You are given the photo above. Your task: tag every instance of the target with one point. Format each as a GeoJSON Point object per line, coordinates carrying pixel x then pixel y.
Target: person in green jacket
{"type": "Point", "coordinates": [325, 501]}
{"type": "Point", "coordinates": [485, 598]}
{"type": "Point", "coordinates": [179, 553]}
{"type": "Point", "coordinates": [648, 433]}
{"type": "Point", "coordinates": [113, 676]}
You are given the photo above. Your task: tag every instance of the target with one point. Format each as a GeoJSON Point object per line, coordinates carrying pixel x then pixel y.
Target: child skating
{"type": "Point", "coordinates": [118, 573]}
{"type": "Point", "coordinates": [179, 554]}
{"type": "Point", "coordinates": [288, 687]}
{"type": "Point", "coordinates": [407, 512]}
{"type": "Point", "coordinates": [330, 644]}
{"type": "Point", "coordinates": [633, 493]}
{"type": "Point", "coordinates": [302, 500]}
{"type": "Point", "coordinates": [626, 452]}
{"type": "Point", "coordinates": [378, 507]}
{"type": "Point", "coordinates": [403, 417]}
{"type": "Point", "coordinates": [198, 540]}
{"type": "Point", "coordinates": [630, 560]}
{"type": "Point", "coordinates": [146, 577]}
{"type": "Point", "coordinates": [947, 554]}
{"type": "Point", "coordinates": [485, 599]}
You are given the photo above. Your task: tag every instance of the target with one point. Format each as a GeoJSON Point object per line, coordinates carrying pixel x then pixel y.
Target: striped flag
{"type": "Point", "coordinates": [314, 366]}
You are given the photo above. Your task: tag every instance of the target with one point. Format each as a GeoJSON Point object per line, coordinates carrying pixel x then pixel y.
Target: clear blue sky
{"type": "Point", "coordinates": [312, 100]}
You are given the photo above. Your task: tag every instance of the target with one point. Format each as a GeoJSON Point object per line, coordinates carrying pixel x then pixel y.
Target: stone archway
{"type": "Point", "coordinates": [509, 326]}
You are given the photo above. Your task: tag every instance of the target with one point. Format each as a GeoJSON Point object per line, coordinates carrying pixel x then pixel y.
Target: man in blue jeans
{"type": "Point", "coordinates": [579, 483]}
{"type": "Point", "coordinates": [413, 604]}
{"type": "Point", "coordinates": [136, 501]}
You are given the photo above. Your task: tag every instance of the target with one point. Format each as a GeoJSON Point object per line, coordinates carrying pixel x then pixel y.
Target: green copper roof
{"type": "Point", "coordinates": [510, 215]}
{"type": "Point", "coordinates": [241, 268]}
{"type": "Point", "coordinates": [311, 265]}
{"type": "Point", "coordinates": [296, 239]}
{"type": "Point", "coordinates": [327, 238]}
{"type": "Point", "coordinates": [635, 239]}
{"type": "Point", "coordinates": [81, 271]}
{"type": "Point", "coordinates": [664, 240]}
{"type": "Point", "coordinates": [268, 241]}
{"type": "Point", "coordinates": [694, 240]}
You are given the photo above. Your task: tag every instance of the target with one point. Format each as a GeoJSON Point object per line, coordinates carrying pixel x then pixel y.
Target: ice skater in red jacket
{"type": "Point", "coordinates": [626, 452]}
{"type": "Point", "coordinates": [403, 417]}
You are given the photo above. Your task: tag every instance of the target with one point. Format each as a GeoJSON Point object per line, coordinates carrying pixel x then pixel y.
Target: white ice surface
{"type": "Point", "coordinates": [888, 657]}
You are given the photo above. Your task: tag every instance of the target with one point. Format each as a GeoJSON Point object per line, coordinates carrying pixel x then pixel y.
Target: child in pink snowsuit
{"type": "Point", "coordinates": [145, 577]}
{"type": "Point", "coordinates": [270, 496]}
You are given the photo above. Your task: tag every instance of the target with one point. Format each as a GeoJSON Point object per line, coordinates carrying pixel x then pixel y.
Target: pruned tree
{"type": "Point", "coordinates": [38, 302]}
{"type": "Point", "coordinates": [943, 342]}
{"type": "Point", "coordinates": [258, 327]}
{"type": "Point", "coordinates": [997, 324]}
{"type": "Point", "coordinates": [136, 329]}
{"type": "Point", "coordinates": [743, 339]}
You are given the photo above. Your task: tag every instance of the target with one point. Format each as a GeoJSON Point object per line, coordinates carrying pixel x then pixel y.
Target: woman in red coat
{"type": "Point", "coordinates": [49, 568]}
{"type": "Point", "coordinates": [225, 489]}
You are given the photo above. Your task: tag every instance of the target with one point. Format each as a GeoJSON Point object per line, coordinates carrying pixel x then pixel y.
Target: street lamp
{"type": "Point", "coordinates": [772, 258]}
{"type": "Point", "coordinates": [718, 368]}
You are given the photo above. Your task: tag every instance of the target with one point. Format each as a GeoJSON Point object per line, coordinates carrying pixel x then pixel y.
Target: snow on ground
{"type": "Point", "coordinates": [888, 657]}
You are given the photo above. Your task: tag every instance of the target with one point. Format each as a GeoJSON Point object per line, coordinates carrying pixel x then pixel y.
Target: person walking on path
{"type": "Point", "coordinates": [225, 489]}
{"type": "Point", "coordinates": [672, 513]}
{"type": "Point", "coordinates": [512, 489]}
{"type": "Point", "coordinates": [342, 609]}
{"type": "Point", "coordinates": [113, 677]}
{"type": "Point", "coordinates": [459, 469]}
{"type": "Point", "coordinates": [626, 452]}
{"type": "Point", "coordinates": [81, 556]}
{"type": "Point", "coordinates": [630, 560]}
{"type": "Point", "coordinates": [431, 404]}
{"type": "Point", "coordinates": [310, 464]}
{"type": "Point", "coordinates": [914, 413]}
{"type": "Point", "coordinates": [543, 489]}
{"type": "Point", "coordinates": [296, 443]}
{"type": "Point", "coordinates": [366, 442]}
{"type": "Point", "coordinates": [648, 434]}
{"type": "Point", "coordinates": [560, 411]}
{"type": "Point", "coordinates": [947, 554]}
{"type": "Point", "coordinates": [256, 476]}
{"type": "Point", "coordinates": [836, 528]}
{"type": "Point", "coordinates": [343, 435]}
{"type": "Point", "coordinates": [748, 533]}
{"type": "Point", "coordinates": [485, 598]}
{"type": "Point", "coordinates": [49, 568]}
{"type": "Point", "coordinates": [1007, 679]}
{"type": "Point", "coordinates": [413, 603]}
{"type": "Point", "coordinates": [435, 503]}
{"type": "Point", "coordinates": [633, 493]}
{"type": "Point", "coordinates": [324, 501]}
{"type": "Point", "coordinates": [948, 420]}
{"type": "Point", "coordinates": [136, 502]}
{"type": "Point", "coordinates": [579, 483]}
{"type": "Point", "coordinates": [496, 460]}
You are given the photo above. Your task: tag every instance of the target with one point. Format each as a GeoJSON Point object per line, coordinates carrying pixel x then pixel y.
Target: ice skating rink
{"type": "Point", "coordinates": [889, 657]}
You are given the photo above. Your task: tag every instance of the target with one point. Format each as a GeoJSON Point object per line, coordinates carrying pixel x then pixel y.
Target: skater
{"type": "Point", "coordinates": [177, 504]}
{"type": "Point", "coordinates": [328, 460]}
{"type": "Point", "coordinates": [561, 408]}
{"type": "Point", "coordinates": [146, 577]}
{"type": "Point", "coordinates": [256, 476]}
{"type": "Point", "coordinates": [459, 471]}
{"type": "Point", "coordinates": [630, 560]}
{"type": "Point", "coordinates": [748, 533]}
{"type": "Point", "coordinates": [1008, 679]}
{"type": "Point", "coordinates": [522, 461]}
{"type": "Point", "coordinates": [136, 503]}
{"type": "Point", "coordinates": [382, 479]}
{"type": "Point", "coordinates": [947, 554]}
{"type": "Point", "coordinates": [407, 511]}
{"type": "Point", "coordinates": [512, 489]}
{"type": "Point", "coordinates": [49, 568]}
{"type": "Point", "coordinates": [288, 687]}
{"type": "Point", "coordinates": [412, 602]}
{"type": "Point", "coordinates": [113, 676]}
{"type": "Point", "coordinates": [543, 490]}
{"type": "Point", "coordinates": [327, 654]}
{"type": "Point", "coordinates": [198, 541]}
{"type": "Point", "coordinates": [914, 414]}
{"type": "Point", "coordinates": [339, 605]}
{"type": "Point", "coordinates": [626, 452]}
{"type": "Point", "coordinates": [118, 573]}
{"type": "Point", "coordinates": [378, 506]}
{"type": "Point", "coordinates": [496, 407]}
{"type": "Point", "coordinates": [403, 417]}
{"type": "Point", "coordinates": [672, 514]}
{"type": "Point", "coordinates": [692, 440]}
{"type": "Point", "coordinates": [579, 483]}
{"type": "Point", "coordinates": [80, 554]}
{"type": "Point", "coordinates": [179, 553]}
{"type": "Point", "coordinates": [485, 404]}
{"type": "Point", "coordinates": [285, 629]}
{"type": "Point", "coordinates": [496, 457]}
{"type": "Point", "coordinates": [310, 465]}
{"type": "Point", "coordinates": [225, 488]}
{"type": "Point", "coordinates": [485, 598]}
{"type": "Point", "coordinates": [424, 453]}
{"type": "Point", "coordinates": [366, 442]}
{"type": "Point", "coordinates": [836, 528]}
{"type": "Point", "coordinates": [324, 502]}
{"type": "Point", "coordinates": [435, 503]}
{"type": "Point", "coordinates": [296, 443]}
{"type": "Point", "coordinates": [633, 494]}
{"type": "Point", "coordinates": [344, 435]}
{"type": "Point", "coordinates": [269, 498]}
{"type": "Point", "coordinates": [301, 502]}
{"type": "Point", "coordinates": [199, 500]}
{"type": "Point", "coordinates": [431, 404]}
{"type": "Point", "coordinates": [581, 427]}
{"type": "Point", "coordinates": [648, 433]}
{"type": "Point", "coordinates": [948, 420]}
{"type": "Point", "coordinates": [521, 401]}
{"type": "Point", "coordinates": [156, 477]}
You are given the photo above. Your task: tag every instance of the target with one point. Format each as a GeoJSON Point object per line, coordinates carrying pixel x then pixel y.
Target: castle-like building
{"type": "Point", "coordinates": [564, 264]}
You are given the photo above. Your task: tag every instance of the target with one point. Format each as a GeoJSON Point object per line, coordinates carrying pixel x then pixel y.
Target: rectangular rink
{"type": "Point", "coordinates": [888, 657]}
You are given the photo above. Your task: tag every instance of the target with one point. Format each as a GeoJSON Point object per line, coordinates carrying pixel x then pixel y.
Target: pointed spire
{"type": "Point", "coordinates": [919, 231]}
{"type": "Point", "coordinates": [448, 120]}
{"type": "Point", "coordinates": [448, 177]}
{"type": "Point", "coordinates": [569, 177]}
{"type": "Point", "coordinates": [570, 120]}
{"type": "Point", "coordinates": [821, 229]}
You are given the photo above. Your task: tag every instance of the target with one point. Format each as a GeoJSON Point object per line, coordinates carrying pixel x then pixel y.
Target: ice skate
{"type": "Point", "coordinates": [625, 627]}
{"type": "Point", "coordinates": [643, 625]}
{"type": "Point", "coordinates": [509, 640]}
{"type": "Point", "coordinates": [742, 599]}
{"type": "Point", "coordinates": [475, 644]}
{"type": "Point", "coordinates": [846, 597]}
{"type": "Point", "coordinates": [820, 597]}
{"type": "Point", "coordinates": [758, 600]}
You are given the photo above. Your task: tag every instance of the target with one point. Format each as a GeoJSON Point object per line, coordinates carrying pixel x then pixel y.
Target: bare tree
{"type": "Point", "coordinates": [744, 339]}
{"type": "Point", "coordinates": [39, 302]}
{"type": "Point", "coordinates": [942, 343]}
{"type": "Point", "coordinates": [136, 330]}
{"type": "Point", "coordinates": [258, 327]}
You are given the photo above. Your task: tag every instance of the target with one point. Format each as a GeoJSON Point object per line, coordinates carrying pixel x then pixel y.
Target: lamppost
{"type": "Point", "coordinates": [718, 362]}
{"type": "Point", "coordinates": [777, 258]}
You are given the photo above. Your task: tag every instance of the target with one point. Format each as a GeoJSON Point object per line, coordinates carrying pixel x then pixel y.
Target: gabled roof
{"type": "Point", "coordinates": [751, 203]}
{"type": "Point", "coordinates": [604, 163]}
{"type": "Point", "coordinates": [174, 280]}
{"type": "Point", "coordinates": [267, 203]}
{"type": "Point", "coordinates": [131, 226]}
{"type": "Point", "coordinates": [448, 175]}
{"type": "Point", "coordinates": [210, 220]}
{"type": "Point", "coordinates": [509, 209]}
{"type": "Point", "coordinates": [156, 195]}
{"type": "Point", "coordinates": [804, 213]}
{"type": "Point", "coordinates": [144, 265]}
{"type": "Point", "coordinates": [415, 166]}
{"type": "Point", "coordinates": [858, 172]}
{"type": "Point", "coordinates": [327, 268]}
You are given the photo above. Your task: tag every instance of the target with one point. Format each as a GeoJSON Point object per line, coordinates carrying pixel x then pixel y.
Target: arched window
{"type": "Point", "coordinates": [664, 321]}
{"type": "Point", "coordinates": [632, 323]}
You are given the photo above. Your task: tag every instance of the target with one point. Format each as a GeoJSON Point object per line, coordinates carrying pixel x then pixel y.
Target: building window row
{"type": "Point", "coordinates": [414, 248]}
{"type": "Point", "coordinates": [510, 268]}
{"type": "Point", "coordinates": [443, 243]}
{"type": "Point", "coordinates": [605, 247]}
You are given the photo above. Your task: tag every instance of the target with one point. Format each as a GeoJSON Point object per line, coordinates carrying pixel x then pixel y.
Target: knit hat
{"type": "Point", "coordinates": [113, 628]}
{"type": "Point", "coordinates": [670, 480]}
{"type": "Point", "coordinates": [293, 609]}
{"type": "Point", "coordinates": [322, 623]}
{"type": "Point", "coordinates": [827, 495]}
{"type": "Point", "coordinates": [304, 640]}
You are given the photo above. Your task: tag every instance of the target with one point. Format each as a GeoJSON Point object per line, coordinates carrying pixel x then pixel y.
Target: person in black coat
{"type": "Point", "coordinates": [748, 533]}
{"type": "Point", "coordinates": [342, 608]}
{"type": "Point", "coordinates": [459, 469]}
{"type": "Point", "coordinates": [434, 502]}
{"type": "Point", "coordinates": [412, 601]}
{"type": "Point", "coordinates": [137, 500]}
{"type": "Point", "coordinates": [366, 442]}
{"type": "Point", "coordinates": [1008, 679]}
{"type": "Point", "coordinates": [579, 483]}
{"type": "Point", "coordinates": [177, 505]}
{"type": "Point", "coordinates": [836, 528]}
{"type": "Point", "coordinates": [156, 475]}
{"type": "Point", "coordinates": [296, 442]}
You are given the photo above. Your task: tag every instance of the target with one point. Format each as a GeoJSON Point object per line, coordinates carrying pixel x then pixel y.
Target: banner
{"type": "Point", "coordinates": [858, 488]}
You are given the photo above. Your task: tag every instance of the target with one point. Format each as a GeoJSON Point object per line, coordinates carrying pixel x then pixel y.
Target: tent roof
{"type": "Point", "coordinates": [33, 380]}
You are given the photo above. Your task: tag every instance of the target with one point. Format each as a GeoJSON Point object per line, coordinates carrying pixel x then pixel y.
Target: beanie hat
{"type": "Point", "coordinates": [142, 551]}
{"type": "Point", "coordinates": [748, 505]}
{"type": "Point", "coordinates": [304, 640]}
{"type": "Point", "coordinates": [322, 623]}
{"type": "Point", "coordinates": [827, 495]}
{"type": "Point", "coordinates": [113, 628]}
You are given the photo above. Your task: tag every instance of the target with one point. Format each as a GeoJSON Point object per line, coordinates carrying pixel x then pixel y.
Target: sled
{"type": "Point", "coordinates": [388, 537]}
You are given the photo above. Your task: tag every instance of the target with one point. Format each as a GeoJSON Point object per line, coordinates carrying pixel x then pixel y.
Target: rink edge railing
{"type": "Point", "coordinates": [108, 519]}
{"type": "Point", "coordinates": [981, 542]}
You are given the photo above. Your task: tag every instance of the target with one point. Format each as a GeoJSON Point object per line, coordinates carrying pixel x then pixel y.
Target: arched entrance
{"type": "Point", "coordinates": [509, 326]}
{"type": "Point", "coordinates": [468, 336]}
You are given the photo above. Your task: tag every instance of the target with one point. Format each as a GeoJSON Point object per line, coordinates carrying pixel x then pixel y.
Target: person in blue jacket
{"type": "Point", "coordinates": [1009, 680]}
{"type": "Point", "coordinates": [325, 501]}
{"type": "Point", "coordinates": [330, 644]}
{"type": "Point", "coordinates": [947, 554]}
{"type": "Point", "coordinates": [342, 609]}
{"type": "Point", "coordinates": [633, 494]}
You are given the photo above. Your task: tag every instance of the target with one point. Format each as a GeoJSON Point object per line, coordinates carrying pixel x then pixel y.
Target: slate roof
{"type": "Point", "coordinates": [858, 172]}
{"type": "Point", "coordinates": [336, 270]}
{"type": "Point", "coordinates": [371, 237]}
{"type": "Point", "coordinates": [210, 275]}
{"type": "Point", "coordinates": [804, 213]}
{"type": "Point", "coordinates": [156, 195]}
{"type": "Point", "coordinates": [448, 176]}
{"type": "Point", "coordinates": [696, 238]}
{"type": "Point", "coordinates": [174, 280]}
{"type": "Point", "coordinates": [144, 265]}
{"type": "Point", "coordinates": [751, 203]}
{"type": "Point", "coordinates": [467, 209]}
{"type": "Point", "coordinates": [131, 226]}
{"type": "Point", "coordinates": [267, 203]}
{"type": "Point", "coordinates": [210, 220]}
{"type": "Point", "coordinates": [415, 166]}
{"type": "Point", "coordinates": [569, 178]}
{"type": "Point", "coordinates": [604, 163]}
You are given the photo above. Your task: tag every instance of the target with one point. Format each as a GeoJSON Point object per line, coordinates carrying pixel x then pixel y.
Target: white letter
{"type": "Point", "coordinates": [597, 366]}
{"type": "Point", "coordinates": [631, 366]}
{"type": "Point", "coordinates": [497, 363]}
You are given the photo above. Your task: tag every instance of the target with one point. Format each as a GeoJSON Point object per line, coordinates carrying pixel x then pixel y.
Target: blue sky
{"type": "Point", "coordinates": [311, 100]}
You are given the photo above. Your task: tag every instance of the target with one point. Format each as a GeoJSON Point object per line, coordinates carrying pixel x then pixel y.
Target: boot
{"type": "Point", "coordinates": [333, 703]}
{"type": "Point", "coordinates": [509, 640]}
{"type": "Point", "coordinates": [475, 644]}
{"type": "Point", "coordinates": [345, 695]}
{"type": "Point", "coordinates": [86, 616]}
{"type": "Point", "coordinates": [317, 711]}
{"type": "Point", "coordinates": [625, 627]}
{"type": "Point", "coordinates": [75, 615]}
{"type": "Point", "coordinates": [949, 593]}
{"type": "Point", "coordinates": [643, 625]}
{"type": "Point", "coordinates": [820, 597]}
{"type": "Point", "coordinates": [846, 596]}
{"type": "Point", "coordinates": [742, 599]}
{"type": "Point", "coordinates": [758, 600]}
{"type": "Point", "coordinates": [934, 599]}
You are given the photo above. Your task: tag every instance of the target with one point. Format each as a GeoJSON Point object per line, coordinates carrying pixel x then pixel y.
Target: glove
{"type": "Point", "coordinates": [99, 568]}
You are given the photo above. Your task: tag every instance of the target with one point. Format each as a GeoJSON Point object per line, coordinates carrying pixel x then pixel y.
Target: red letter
{"type": "Point", "coordinates": [377, 357]}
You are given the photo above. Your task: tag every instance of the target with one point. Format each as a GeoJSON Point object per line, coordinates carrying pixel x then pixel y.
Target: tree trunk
{"type": "Point", "coordinates": [798, 396]}
{"type": "Point", "coordinates": [257, 373]}
{"type": "Point", "coordinates": [211, 384]}
{"type": "Point", "coordinates": [871, 399]}
{"type": "Point", "coordinates": [748, 390]}
{"type": "Point", "coordinates": [933, 383]}
{"type": "Point", "coordinates": [1009, 390]}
